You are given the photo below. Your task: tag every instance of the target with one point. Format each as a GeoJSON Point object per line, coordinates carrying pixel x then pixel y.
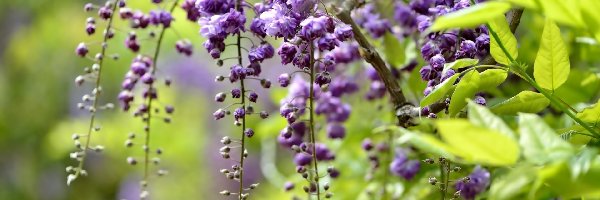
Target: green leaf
{"type": "Point", "coordinates": [460, 63]}
{"type": "Point", "coordinates": [558, 178]}
{"type": "Point", "coordinates": [471, 17]}
{"type": "Point", "coordinates": [511, 185]}
{"type": "Point", "coordinates": [552, 66]}
{"type": "Point", "coordinates": [590, 14]}
{"type": "Point", "coordinates": [481, 116]}
{"type": "Point", "coordinates": [539, 142]}
{"type": "Point", "coordinates": [523, 3]}
{"type": "Point", "coordinates": [478, 145]}
{"type": "Point", "coordinates": [581, 163]}
{"type": "Point", "coordinates": [439, 91]}
{"type": "Point", "coordinates": [466, 88]}
{"type": "Point", "coordinates": [563, 11]}
{"type": "Point", "coordinates": [499, 27]}
{"type": "Point", "coordinates": [525, 101]}
{"type": "Point", "coordinates": [591, 114]}
{"type": "Point", "coordinates": [492, 78]}
{"type": "Point", "coordinates": [428, 143]}
{"type": "Point", "coordinates": [394, 51]}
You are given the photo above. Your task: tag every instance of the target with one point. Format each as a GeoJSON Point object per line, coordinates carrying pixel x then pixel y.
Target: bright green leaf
{"type": "Point", "coordinates": [563, 11]}
{"type": "Point", "coordinates": [477, 144]}
{"type": "Point", "coordinates": [428, 143]}
{"type": "Point", "coordinates": [590, 14]}
{"type": "Point", "coordinates": [491, 78]}
{"type": "Point", "coordinates": [481, 116]}
{"type": "Point", "coordinates": [552, 64]}
{"type": "Point", "coordinates": [591, 114]}
{"type": "Point", "coordinates": [499, 27]}
{"type": "Point", "coordinates": [558, 178]}
{"type": "Point", "coordinates": [466, 88]}
{"type": "Point", "coordinates": [439, 91]}
{"type": "Point", "coordinates": [539, 142]}
{"type": "Point", "coordinates": [394, 50]}
{"type": "Point", "coordinates": [524, 3]}
{"type": "Point", "coordinates": [472, 16]}
{"type": "Point", "coordinates": [511, 185]}
{"type": "Point", "coordinates": [581, 163]}
{"type": "Point", "coordinates": [525, 101]}
{"type": "Point", "coordinates": [460, 63]}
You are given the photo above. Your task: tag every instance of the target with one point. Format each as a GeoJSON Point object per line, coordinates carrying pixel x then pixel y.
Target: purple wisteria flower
{"type": "Point", "coordinates": [475, 183]}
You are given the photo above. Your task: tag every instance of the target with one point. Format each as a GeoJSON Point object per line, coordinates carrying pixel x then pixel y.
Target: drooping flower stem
{"type": "Point", "coordinates": [97, 89]}
{"type": "Point", "coordinates": [243, 102]}
{"type": "Point", "coordinates": [148, 119]}
{"type": "Point", "coordinates": [311, 102]}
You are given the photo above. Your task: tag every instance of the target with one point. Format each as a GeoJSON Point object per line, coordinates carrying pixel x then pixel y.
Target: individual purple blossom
{"type": "Point", "coordinates": [437, 62]}
{"type": "Point", "coordinates": [238, 113]}
{"type": "Point", "coordinates": [90, 28]}
{"type": "Point", "coordinates": [345, 53]}
{"type": "Point", "coordinates": [284, 80]}
{"type": "Point", "coordinates": [448, 74]}
{"type": "Point", "coordinates": [336, 131]}
{"type": "Point", "coordinates": [343, 32]}
{"type": "Point", "coordinates": [367, 144]}
{"type": "Point", "coordinates": [467, 49]}
{"type": "Point", "coordinates": [260, 53]}
{"type": "Point", "coordinates": [377, 28]}
{"type": "Point", "coordinates": [105, 12]}
{"type": "Point", "coordinates": [287, 51]}
{"type": "Point", "coordinates": [405, 16]}
{"type": "Point", "coordinates": [427, 73]}
{"type": "Point", "coordinates": [220, 97]}
{"type": "Point", "coordinates": [249, 132]}
{"type": "Point", "coordinates": [302, 6]}
{"type": "Point", "coordinates": [302, 159]}
{"type": "Point", "coordinates": [184, 47]}
{"type": "Point", "coordinates": [322, 79]}
{"type": "Point", "coordinates": [478, 181]}
{"type": "Point", "coordinates": [212, 7]}
{"type": "Point", "coordinates": [327, 42]}
{"type": "Point", "coordinates": [258, 27]}
{"type": "Point", "coordinates": [278, 23]}
{"type": "Point", "coordinates": [429, 50]}
{"type": "Point", "coordinates": [423, 23]}
{"type": "Point", "coordinates": [193, 14]}
{"type": "Point", "coordinates": [314, 27]}
{"type": "Point", "coordinates": [404, 167]}
{"type": "Point", "coordinates": [479, 100]}
{"type": "Point", "coordinates": [81, 50]}
{"type": "Point", "coordinates": [252, 97]}
{"type": "Point", "coordinates": [236, 93]}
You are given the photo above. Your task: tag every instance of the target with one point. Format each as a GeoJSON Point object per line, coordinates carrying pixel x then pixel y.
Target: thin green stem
{"type": "Point", "coordinates": [96, 98]}
{"type": "Point", "coordinates": [148, 120]}
{"type": "Point", "coordinates": [312, 118]}
{"type": "Point", "coordinates": [243, 102]}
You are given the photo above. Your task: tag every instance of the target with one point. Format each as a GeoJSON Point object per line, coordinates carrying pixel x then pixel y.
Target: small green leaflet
{"type": "Point", "coordinates": [439, 91]}
{"type": "Point", "coordinates": [591, 114]}
{"type": "Point", "coordinates": [472, 16]}
{"type": "Point", "coordinates": [466, 88]}
{"type": "Point", "coordinates": [539, 142]}
{"type": "Point", "coordinates": [491, 78]}
{"type": "Point", "coordinates": [394, 50]}
{"type": "Point", "coordinates": [525, 101]}
{"type": "Point", "coordinates": [481, 116]}
{"type": "Point", "coordinates": [552, 66]}
{"type": "Point", "coordinates": [558, 178]}
{"type": "Point", "coordinates": [498, 27]}
{"type": "Point", "coordinates": [511, 185]}
{"type": "Point", "coordinates": [564, 11]}
{"type": "Point", "coordinates": [466, 143]}
{"type": "Point", "coordinates": [460, 63]}
{"type": "Point", "coordinates": [477, 144]}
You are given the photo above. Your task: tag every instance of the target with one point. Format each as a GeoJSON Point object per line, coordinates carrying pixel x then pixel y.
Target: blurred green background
{"type": "Point", "coordinates": [38, 114]}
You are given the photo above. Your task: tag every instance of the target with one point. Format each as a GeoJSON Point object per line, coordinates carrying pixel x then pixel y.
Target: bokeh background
{"type": "Point", "coordinates": [38, 100]}
{"type": "Point", "coordinates": [38, 114]}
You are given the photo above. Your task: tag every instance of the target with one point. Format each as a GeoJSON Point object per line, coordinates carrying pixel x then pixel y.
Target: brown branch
{"type": "Point", "coordinates": [371, 55]}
